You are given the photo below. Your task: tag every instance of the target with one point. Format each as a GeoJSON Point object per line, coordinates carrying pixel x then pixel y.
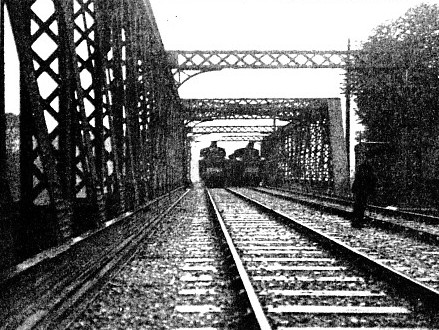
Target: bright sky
{"type": "Point", "coordinates": [272, 24]}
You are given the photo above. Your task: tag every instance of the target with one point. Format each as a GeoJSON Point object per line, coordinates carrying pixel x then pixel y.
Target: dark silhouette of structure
{"type": "Point", "coordinates": [212, 165]}
{"type": "Point", "coordinates": [363, 188]}
{"type": "Point", "coordinates": [247, 153]}
{"type": "Point", "coordinates": [213, 151]}
{"type": "Point", "coordinates": [245, 166]}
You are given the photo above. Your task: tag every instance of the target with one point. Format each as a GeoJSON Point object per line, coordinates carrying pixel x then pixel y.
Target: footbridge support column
{"type": "Point", "coordinates": [338, 146]}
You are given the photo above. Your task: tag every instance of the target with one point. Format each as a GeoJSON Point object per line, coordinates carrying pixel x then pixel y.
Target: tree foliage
{"type": "Point", "coordinates": [395, 77]}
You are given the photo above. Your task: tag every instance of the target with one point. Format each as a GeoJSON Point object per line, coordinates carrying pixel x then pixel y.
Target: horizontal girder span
{"type": "Point", "coordinates": [249, 108]}
{"type": "Point", "coordinates": [232, 129]}
{"type": "Point", "coordinates": [234, 59]}
{"type": "Point", "coordinates": [258, 137]}
{"type": "Point", "coordinates": [234, 138]}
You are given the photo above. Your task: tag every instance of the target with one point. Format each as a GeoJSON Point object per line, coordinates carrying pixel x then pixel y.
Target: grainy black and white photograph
{"type": "Point", "coordinates": [219, 164]}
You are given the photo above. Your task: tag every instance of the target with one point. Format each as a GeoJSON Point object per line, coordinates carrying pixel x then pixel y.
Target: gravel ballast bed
{"type": "Point", "coordinates": [409, 256]}
{"type": "Point", "coordinates": [414, 223]}
{"type": "Point", "coordinates": [149, 291]}
{"type": "Point", "coordinates": [261, 241]}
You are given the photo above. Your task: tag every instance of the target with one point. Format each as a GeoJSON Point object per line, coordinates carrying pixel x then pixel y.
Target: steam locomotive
{"type": "Point", "coordinates": [243, 168]}
{"type": "Point", "coordinates": [212, 166]}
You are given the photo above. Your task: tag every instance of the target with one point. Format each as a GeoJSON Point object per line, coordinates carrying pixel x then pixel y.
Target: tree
{"type": "Point", "coordinates": [394, 79]}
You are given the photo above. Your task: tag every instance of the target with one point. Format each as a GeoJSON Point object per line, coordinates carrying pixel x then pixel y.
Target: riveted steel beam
{"type": "Point", "coordinates": [232, 129]}
{"type": "Point", "coordinates": [101, 123]}
{"type": "Point", "coordinates": [187, 64]}
{"type": "Point", "coordinates": [248, 108]}
{"type": "Point", "coordinates": [256, 138]}
{"type": "Point", "coordinates": [254, 59]}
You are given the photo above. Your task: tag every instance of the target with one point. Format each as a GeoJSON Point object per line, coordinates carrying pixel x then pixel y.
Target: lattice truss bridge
{"type": "Point", "coordinates": [102, 128]}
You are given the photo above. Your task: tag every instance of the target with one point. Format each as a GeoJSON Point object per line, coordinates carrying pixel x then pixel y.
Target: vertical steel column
{"type": "Point", "coordinates": [106, 26]}
{"type": "Point", "coordinates": [141, 107]}
{"type": "Point", "coordinates": [307, 148]}
{"type": "Point", "coordinates": [348, 108]}
{"type": "Point", "coordinates": [147, 153]}
{"type": "Point", "coordinates": [94, 63]}
{"type": "Point", "coordinates": [156, 127]}
{"type": "Point", "coordinates": [132, 119]}
{"type": "Point", "coordinates": [67, 114]}
{"type": "Point", "coordinates": [117, 91]}
{"type": "Point", "coordinates": [20, 22]}
{"type": "Point", "coordinates": [152, 133]}
{"type": "Point", "coordinates": [94, 186]}
{"type": "Point", "coordinates": [338, 147]}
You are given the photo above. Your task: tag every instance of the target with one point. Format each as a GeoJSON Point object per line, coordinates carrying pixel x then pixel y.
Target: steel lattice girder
{"type": "Point", "coordinates": [215, 60]}
{"type": "Point", "coordinates": [255, 138]}
{"type": "Point", "coordinates": [232, 129]}
{"type": "Point", "coordinates": [247, 108]}
{"type": "Point", "coordinates": [187, 64]}
{"type": "Point", "coordinates": [101, 118]}
{"type": "Point", "coordinates": [310, 150]}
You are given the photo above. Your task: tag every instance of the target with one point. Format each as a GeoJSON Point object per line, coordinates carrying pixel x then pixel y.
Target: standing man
{"type": "Point", "coordinates": [363, 188]}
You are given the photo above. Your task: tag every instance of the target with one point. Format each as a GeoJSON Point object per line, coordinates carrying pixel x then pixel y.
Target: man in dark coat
{"type": "Point", "coordinates": [363, 189]}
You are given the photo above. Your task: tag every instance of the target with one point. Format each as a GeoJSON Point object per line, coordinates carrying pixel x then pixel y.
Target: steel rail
{"type": "Point", "coordinates": [421, 235]}
{"type": "Point", "coordinates": [422, 295]}
{"type": "Point", "coordinates": [63, 307]}
{"type": "Point", "coordinates": [124, 257]}
{"type": "Point", "coordinates": [255, 305]}
{"type": "Point", "coordinates": [375, 208]}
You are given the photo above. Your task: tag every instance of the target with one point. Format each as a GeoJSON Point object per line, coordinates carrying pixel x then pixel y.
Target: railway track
{"type": "Point", "coordinates": [239, 267]}
{"type": "Point", "coordinates": [297, 283]}
{"type": "Point", "coordinates": [422, 226]}
{"type": "Point", "coordinates": [406, 253]}
{"type": "Point", "coordinates": [48, 290]}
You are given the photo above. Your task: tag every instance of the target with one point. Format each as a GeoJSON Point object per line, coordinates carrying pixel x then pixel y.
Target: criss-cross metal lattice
{"type": "Point", "coordinates": [187, 64]}
{"type": "Point", "coordinates": [232, 129]}
{"type": "Point", "coordinates": [237, 138]}
{"type": "Point", "coordinates": [248, 108]}
{"type": "Point", "coordinates": [300, 152]}
{"type": "Point", "coordinates": [100, 118]}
